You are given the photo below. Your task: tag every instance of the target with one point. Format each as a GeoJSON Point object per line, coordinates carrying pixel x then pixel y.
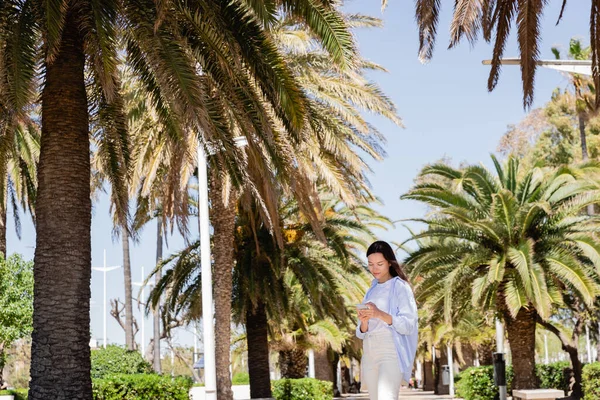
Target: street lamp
{"type": "Point", "coordinates": [143, 295]}
{"type": "Point", "coordinates": [104, 269]}
{"type": "Point", "coordinates": [582, 67]}
{"type": "Point", "coordinates": [210, 373]}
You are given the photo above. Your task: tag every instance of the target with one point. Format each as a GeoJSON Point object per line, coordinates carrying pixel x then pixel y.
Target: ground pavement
{"type": "Point", "coordinates": [405, 394]}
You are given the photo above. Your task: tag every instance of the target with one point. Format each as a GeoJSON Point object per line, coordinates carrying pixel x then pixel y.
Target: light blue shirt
{"type": "Point", "coordinates": [405, 323]}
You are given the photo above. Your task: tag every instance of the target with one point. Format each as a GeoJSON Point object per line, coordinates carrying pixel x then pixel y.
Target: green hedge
{"type": "Point", "coordinates": [19, 394]}
{"type": "Point", "coordinates": [552, 376]}
{"type": "Point", "coordinates": [477, 383]}
{"type": "Point", "coordinates": [117, 360]}
{"type": "Point", "coordinates": [141, 387]}
{"type": "Point", "coordinates": [591, 381]}
{"type": "Point", "coordinates": [241, 378]}
{"type": "Point", "coordinates": [302, 389]}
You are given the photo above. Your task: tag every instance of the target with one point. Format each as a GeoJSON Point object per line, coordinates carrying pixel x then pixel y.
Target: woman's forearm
{"type": "Point", "coordinates": [364, 325]}
{"type": "Point", "coordinates": [385, 317]}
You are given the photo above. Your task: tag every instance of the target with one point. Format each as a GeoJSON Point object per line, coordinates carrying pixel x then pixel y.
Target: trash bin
{"type": "Point", "coordinates": [445, 375]}
{"type": "Point", "coordinates": [499, 369]}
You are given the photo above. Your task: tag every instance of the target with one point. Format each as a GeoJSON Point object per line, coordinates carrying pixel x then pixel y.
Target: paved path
{"type": "Point", "coordinates": [405, 394]}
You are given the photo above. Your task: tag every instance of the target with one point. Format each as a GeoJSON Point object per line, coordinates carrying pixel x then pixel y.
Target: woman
{"type": "Point", "coordinates": [388, 325]}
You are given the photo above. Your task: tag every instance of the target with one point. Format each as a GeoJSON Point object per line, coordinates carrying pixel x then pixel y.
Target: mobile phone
{"type": "Point", "coordinates": [362, 307]}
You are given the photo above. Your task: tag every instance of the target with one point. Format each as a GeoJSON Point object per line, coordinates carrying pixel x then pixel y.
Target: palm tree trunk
{"type": "Point", "coordinates": [323, 368]}
{"type": "Point", "coordinates": [293, 363]}
{"type": "Point", "coordinates": [570, 345]}
{"type": "Point", "coordinates": [2, 363]}
{"type": "Point", "coordinates": [584, 149]}
{"type": "Point", "coordinates": [129, 339]}
{"type": "Point", "coordinates": [60, 359]}
{"type": "Point", "coordinates": [3, 209]}
{"type": "Point", "coordinates": [156, 311]}
{"type": "Point", "coordinates": [258, 352]}
{"type": "Point", "coordinates": [223, 213]}
{"type": "Point", "coordinates": [521, 336]}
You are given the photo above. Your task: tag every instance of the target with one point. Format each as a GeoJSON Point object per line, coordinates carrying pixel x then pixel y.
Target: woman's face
{"type": "Point", "coordinates": [379, 267]}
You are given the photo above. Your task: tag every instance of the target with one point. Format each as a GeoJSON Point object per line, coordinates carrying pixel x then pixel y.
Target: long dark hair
{"type": "Point", "coordinates": [396, 269]}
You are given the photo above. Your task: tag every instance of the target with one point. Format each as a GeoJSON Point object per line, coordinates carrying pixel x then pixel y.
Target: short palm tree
{"type": "Point", "coordinates": [511, 242]}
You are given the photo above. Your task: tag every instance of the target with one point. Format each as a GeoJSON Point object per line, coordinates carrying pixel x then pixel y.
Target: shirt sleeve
{"type": "Point", "coordinates": [406, 318]}
{"type": "Point", "coordinates": [359, 334]}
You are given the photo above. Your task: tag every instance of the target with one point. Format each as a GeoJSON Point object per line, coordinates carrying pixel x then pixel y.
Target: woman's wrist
{"type": "Point", "coordinates": [385, 317]}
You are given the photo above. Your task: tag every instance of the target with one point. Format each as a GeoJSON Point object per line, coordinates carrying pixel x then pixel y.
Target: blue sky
{"type": "Point", "coordinates": [445, 106]}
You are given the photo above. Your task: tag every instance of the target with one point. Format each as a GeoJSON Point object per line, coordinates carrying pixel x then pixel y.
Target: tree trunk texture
{"type": "Point", "coordinates": [2, 365]}
{"type": "Point", "coordinates": [156, 312]}
{"type": "Point", "coordinates": [441, 358]}
{"type": "Point", "coordinates": [570, 345]}
{"type": "Point", "coordinates": [486, 353]}
{"type": "Point", "coordinates": [129, 338]}
{"type": "Point", "coordinates": [521, 336]}
{"type": "Point", "coordinates": [323, 368]}
{"type": "Point", "coordinates": [293, 363]}
{"type": "Point", "coordinates": [223, 220]}
{"type": "Point", "coordinates": [577, 370]}
{"type": "Point", "coordinates": [3, 210]}
{"type": "Point", "coordinates": [584, 150]}
{"type": "Point", "coordinates": [258, 352]}
{"type": "Point", "coordinates": [60, 359]}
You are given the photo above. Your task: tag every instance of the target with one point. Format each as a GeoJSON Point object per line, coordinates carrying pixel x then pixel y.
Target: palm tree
{"type": "Point", "coordinates": [584, 104]}
{"type": "Point", "coordinates": [513, 243]}
{"type": "Point", "coordinates": [494, 19]}
{"type": "Point", "coordinates": [335, 127]}
{"type": "Point", "coordinates": [19, 152]}
{"type": "Point", "coordinates": [165, 43]}
{"type": "Point", "coordinates": [268, 279]}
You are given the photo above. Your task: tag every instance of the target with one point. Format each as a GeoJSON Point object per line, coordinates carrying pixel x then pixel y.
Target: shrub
{"type": "Point", "coordinates": [117, 360]}
{"type": "Point", "coordinates": [552, 376]}
{"type": "Point", "coordinates": [241, 378]}
{"type": "Point", "coordinates": [141, 386]}
{"type": "Point", "coordinates": [591, 381]}
{"type": "Point", "coordinates": [477, 383]}
{"type": "Point", "coordinates": [302, 389]}
{"type": "Point", "coordinates": [19, 394]}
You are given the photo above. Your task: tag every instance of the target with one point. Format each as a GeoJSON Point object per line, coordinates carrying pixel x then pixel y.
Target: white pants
{"type": "Point", "coordinates": [380, 368]}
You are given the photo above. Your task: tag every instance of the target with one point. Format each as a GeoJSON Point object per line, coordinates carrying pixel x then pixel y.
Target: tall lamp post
{"type": "Point", "coordinates": [143, 300]}
{"type": "Point", "coordinates": [104, 269]}
{"type": "Point", "coordinates": [582, 67]}
{"type": "Point", "coordinates": [210, 373]}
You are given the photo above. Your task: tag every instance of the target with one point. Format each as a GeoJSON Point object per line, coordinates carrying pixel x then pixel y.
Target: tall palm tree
{"type": "Point", "coordinates": [513, 242]}
{"type": "Point", "coordinates": [325, 152]}
{"type": "Point", "coordinates": [493, 20]}
{"type": "Point", "coordinates": [166, 44]}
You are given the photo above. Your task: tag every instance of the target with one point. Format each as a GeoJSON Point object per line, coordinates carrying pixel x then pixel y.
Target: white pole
{"type": "Point", "coordinates": [195, 341]}
{"type": "Point", "coordinates": [588, 344]}
{"type": "Point", "coordinates": [311, 363]}
{"type": "Point", "coordinates": [451, 365]}
{"type": "Point", "coordinates": [499, 337]}
{"type": "Point", "coordinates": [500, 349]}
{"type": "Point", "coordinates": [210, 376]}
{"type": "Point", "coordinates": [339, 376]}
{"type": "Point", "coordinates": [104, 269]}
{"type": "Point", "coordinates": [546, 348]}
{"type": "Point", "coordinates": [143, 315]}
{"type": "Point", "coordinates": [172, 361]}
{"type": "Point", "coordinates": [104, 301]}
